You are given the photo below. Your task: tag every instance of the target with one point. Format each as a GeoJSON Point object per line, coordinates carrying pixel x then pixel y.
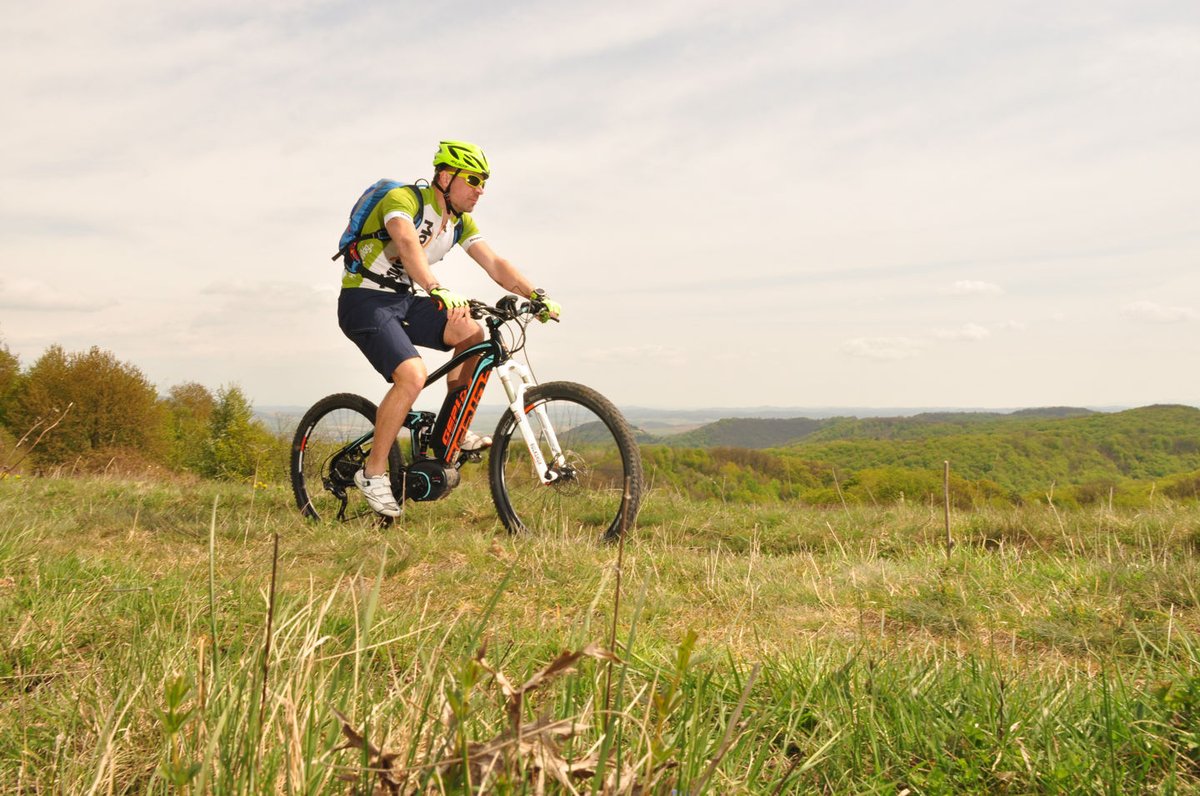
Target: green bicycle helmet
{"type": "Point", "coordinates": [461, 155]}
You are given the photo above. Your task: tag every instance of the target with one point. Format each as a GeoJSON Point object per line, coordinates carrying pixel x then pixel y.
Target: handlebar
{"type": "Point", "coordinates": [508, 308]}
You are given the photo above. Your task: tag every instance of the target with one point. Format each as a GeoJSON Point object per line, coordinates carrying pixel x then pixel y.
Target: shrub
{"type": "Point", "coordinates": [10, 372]}
{"type": "Point", "coordinates": [240, 447]}
{"type": "Point", "coordinates": [1183, 487]}
{"type": "Point", "coordinates": [112, 405]}
{"type": "Point", "coordinates": [189, 410]}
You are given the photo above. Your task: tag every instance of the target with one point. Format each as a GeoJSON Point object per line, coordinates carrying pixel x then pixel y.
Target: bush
{"type": "Point", "coordinates": [1183, 487]}
{"type": "Point", "coordinates": [189, 409]}
{"type": "Point", "coordinates": [10, 372]}
{"type": "Point", "coordinates": [892, 484]}
{"type": "Point", "coordinates": [240, 447]}
{"type": "Point", "coordinates": [107, 404]}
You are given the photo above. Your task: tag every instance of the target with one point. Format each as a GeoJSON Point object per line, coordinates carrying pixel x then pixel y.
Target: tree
{"type": "Point", "coordinates": [239, 446]}
{"type": "Point", "coordinates": [189, 409]}
{"type": "Point", "coordinates": [10, 372]}
{"type": "Point", "coordinates": [113, 406]}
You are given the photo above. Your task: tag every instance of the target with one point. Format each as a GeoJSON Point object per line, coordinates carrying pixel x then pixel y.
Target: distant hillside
{"type": "Point", "coordinates": [772, 432]}
{"type": "Point", "coordinates": [1053, 411]}
{"type": "Point", "coordinates": [1077, 455]}
{"type": "Point", "coordinates": [941, 424]}
{"type": "Point", "coordinates": [749, 432]}
{"type": "Point", "coordinates": [1023, 452]}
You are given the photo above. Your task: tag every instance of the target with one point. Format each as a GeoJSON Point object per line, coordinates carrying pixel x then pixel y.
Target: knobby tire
{"type": "Point", "coordinates": [322, 464]}
{"type": "Point", "coordinates": [601, 457]}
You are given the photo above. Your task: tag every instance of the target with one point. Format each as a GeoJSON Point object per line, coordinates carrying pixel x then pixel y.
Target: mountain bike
{"type": "Point", "coordinates": [562, 458]}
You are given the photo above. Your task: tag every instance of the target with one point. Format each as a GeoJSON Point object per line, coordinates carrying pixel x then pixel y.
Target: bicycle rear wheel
{"type": "Point", "coordinates": [332, 441]}
{"type": "Point", "coordinates": [600, 454]}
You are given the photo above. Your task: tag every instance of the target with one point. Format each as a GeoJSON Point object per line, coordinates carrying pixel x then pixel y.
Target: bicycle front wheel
{"type": "Point", "coordinates": [332, 441]}
{"type": "Point", "coordinates": [600, 458]}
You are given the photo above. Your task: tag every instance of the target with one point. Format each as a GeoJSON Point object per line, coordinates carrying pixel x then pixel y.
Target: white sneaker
{"type": "Point", "coordinates": [378, 491]}
{"type": "Point", "coordinates": [473, 442]}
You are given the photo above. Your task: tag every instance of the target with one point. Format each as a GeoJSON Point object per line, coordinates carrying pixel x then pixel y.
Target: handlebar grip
{"type": "Point", "coordinates": [536, 308]}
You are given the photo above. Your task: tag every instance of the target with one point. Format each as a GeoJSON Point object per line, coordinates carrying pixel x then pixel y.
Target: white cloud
{"type": "Point", "coordinates": [968, 331]}
{"type": "Point", "coordinates": [1157, 313]}
{"type": "Point", "coordinates": [31, 296]}
{"type": "Point", "coordinates": [882, 348]}
{"type": "Point", "coordinates": [968, 287]}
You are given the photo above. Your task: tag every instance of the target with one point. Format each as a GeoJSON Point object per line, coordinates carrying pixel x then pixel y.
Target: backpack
{"type": "Point", "coordinates": [353, 235]}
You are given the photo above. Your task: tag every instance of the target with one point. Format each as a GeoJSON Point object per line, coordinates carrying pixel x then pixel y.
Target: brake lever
{"type": "Point", "coordinates": [479, 310]}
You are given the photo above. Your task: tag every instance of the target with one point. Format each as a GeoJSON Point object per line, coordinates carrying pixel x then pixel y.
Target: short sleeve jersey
{"type": "Point", "coordinates": [436, 235]}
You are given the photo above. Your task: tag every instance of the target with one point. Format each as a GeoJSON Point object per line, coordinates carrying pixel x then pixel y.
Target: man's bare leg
{"type": "Point", "coordinates": [462, 335]}
{"type": "Point", "coordinates": [408, 379]}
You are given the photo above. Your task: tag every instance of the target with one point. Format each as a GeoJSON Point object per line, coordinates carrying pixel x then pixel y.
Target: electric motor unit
{"type": "Point", "coordinates": [429, 479]}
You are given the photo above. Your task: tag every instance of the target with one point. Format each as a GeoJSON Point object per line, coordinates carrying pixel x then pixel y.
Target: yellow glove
{"type": "Point", "coordinates": [549, 309]}
{"type": "Point", "coordinates": [447, 299]}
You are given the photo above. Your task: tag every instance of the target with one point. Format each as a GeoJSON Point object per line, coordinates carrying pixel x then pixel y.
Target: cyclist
{"type": "Point", "coordinates": [386, 319]}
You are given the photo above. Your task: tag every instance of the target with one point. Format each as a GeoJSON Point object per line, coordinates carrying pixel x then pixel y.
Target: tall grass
{"type": "Point", "coordinates": [757, 650]}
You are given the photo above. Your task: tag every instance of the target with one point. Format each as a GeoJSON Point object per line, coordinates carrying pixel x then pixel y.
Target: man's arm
{"type": "Point", "coordinates": [408, 247]}
{"type": "Point", "coordinates": [502, 272]}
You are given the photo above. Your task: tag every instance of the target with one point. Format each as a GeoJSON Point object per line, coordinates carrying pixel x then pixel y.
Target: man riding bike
{"type": "Point", "coordinates": [387, 320]}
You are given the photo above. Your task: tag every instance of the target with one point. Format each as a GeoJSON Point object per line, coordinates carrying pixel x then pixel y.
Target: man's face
{"type": "Point", "coordinates": [464, 195]}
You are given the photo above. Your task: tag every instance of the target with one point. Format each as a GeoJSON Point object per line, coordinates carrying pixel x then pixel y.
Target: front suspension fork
{"type": "Point", "coordinates": [517, 379]}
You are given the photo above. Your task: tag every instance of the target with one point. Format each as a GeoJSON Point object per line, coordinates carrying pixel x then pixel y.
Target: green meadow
{"type": "Point", "coordinates": [190, 636]}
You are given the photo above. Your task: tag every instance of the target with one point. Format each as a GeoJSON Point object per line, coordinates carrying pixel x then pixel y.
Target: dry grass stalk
{"type": "Point", "coordinates": [266, 662]}
{"type": "Point", "coordinates": [530, 751]}
{"type": "Point", "coordinates": [8, 467]}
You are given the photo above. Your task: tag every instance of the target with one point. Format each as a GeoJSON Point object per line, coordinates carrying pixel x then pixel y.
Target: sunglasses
{"type": "Point", "coordinates": [474, 180]}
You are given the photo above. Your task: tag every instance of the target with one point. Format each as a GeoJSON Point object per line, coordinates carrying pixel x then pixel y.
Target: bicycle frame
{"type": "Point", "coordinates": [517, 380]}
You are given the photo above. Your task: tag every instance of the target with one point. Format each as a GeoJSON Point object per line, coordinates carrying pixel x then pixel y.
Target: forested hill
{"type": "Point", "coordinates": [750, 432]}
{"type": "Point", "coordinates": [1026, 452]}
{"type": "Point", "coordinates": [1079, 455]}
{"type": "Point", "coordinates": [943, 424]}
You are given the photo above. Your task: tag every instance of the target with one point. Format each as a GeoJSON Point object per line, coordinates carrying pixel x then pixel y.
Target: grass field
{"type": "Point", "coordinates": [146, 647]}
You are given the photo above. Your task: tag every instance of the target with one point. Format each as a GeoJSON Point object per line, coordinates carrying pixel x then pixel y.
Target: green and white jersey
{"type": "Point", "coordinates": [436, 235]}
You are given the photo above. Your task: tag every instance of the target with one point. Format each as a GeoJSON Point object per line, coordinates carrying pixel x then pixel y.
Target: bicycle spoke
{"type": "Point", "coordinates": [333, 441]}
{"type": "Point", "coordinates": [597, 455]}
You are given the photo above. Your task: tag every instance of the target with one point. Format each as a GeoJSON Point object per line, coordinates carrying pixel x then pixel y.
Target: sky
{"type": "Point", "coordinates": [792, 204]}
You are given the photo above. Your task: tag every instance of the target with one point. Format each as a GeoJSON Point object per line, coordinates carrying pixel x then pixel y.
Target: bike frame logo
{"type": "Point", "coordinates": [460, 415]}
